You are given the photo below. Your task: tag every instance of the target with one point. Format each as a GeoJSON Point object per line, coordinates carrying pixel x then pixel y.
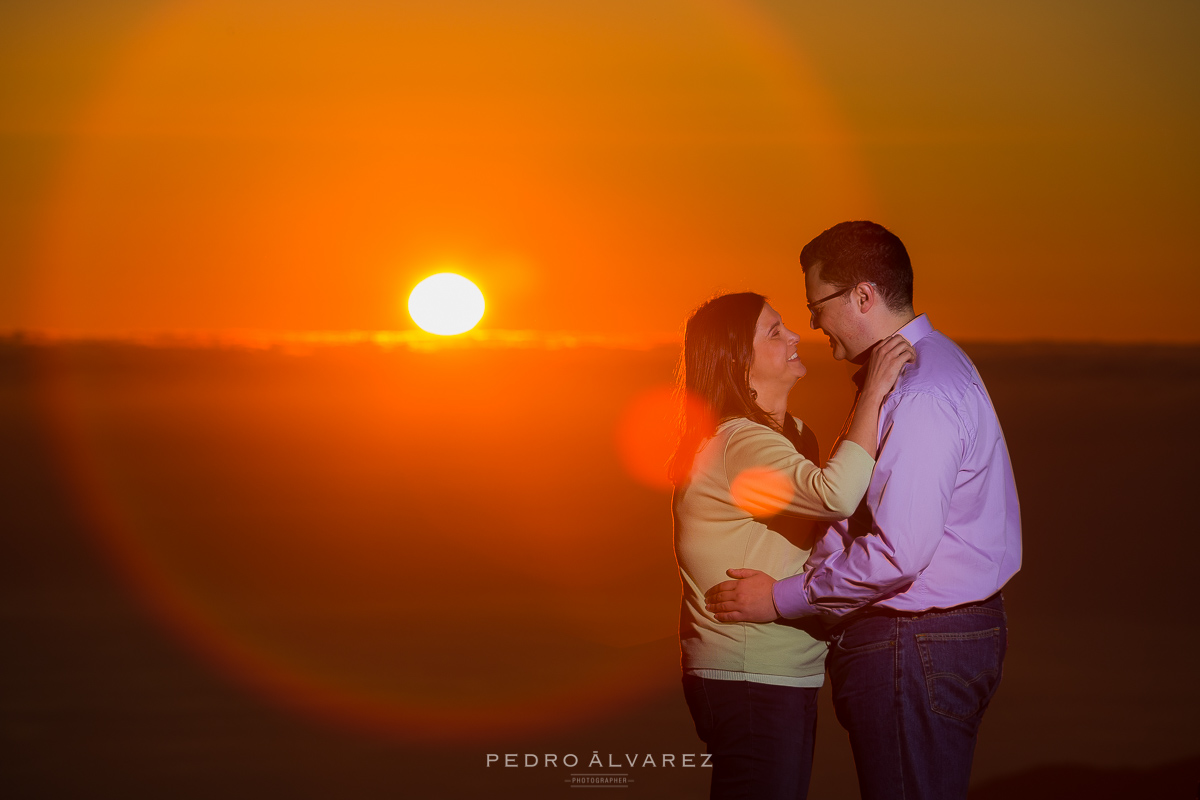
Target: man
{"type": "Point", "coordinates": [910, 585]}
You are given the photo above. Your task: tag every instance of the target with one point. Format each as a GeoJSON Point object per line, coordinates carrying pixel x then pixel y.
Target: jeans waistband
{"type": "Point", "coordinates": [995, 602]}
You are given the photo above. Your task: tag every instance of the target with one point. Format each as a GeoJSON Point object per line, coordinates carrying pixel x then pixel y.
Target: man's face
{"type": "Point", "coordinates": [837, 318]}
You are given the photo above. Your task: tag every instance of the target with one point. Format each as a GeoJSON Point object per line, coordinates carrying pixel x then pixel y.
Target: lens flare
{"type": "Point", "coordinates": [446, 304]}
{"type": "Point", "coordinates": [315, 627]}
{"type": "Point", "coordinates": [648, 431]}
{"type": "Point", "coordinates": [761, 492]}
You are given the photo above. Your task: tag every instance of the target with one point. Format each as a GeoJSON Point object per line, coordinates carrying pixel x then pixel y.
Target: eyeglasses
{"type": "Point", "coordinates": [812, 307]}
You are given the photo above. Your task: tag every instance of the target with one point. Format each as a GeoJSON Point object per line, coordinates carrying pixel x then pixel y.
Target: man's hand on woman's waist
{"type": "Point", "coordinates": [747, 599]}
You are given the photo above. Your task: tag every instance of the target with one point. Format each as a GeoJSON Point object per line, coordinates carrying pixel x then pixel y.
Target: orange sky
{"type": "Point", "coordinates": [594, 166]}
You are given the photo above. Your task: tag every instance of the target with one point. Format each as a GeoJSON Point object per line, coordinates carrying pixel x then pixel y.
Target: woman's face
{"type": "Point", "coordinates": [776, 365]}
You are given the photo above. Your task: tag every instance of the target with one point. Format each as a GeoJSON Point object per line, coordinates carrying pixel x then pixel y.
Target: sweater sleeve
{"type": "Point", "coordinates": [767, 477]}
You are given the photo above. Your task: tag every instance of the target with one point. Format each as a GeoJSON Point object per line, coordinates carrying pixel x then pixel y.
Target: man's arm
{"type": "Point", "coordinates": [909, 498]}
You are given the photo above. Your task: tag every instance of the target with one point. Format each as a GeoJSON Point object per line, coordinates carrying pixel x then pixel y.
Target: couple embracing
{"type": "Point", "coordinates": [896, 587]}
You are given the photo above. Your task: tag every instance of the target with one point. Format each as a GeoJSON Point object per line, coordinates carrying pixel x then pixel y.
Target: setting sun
{"type": "Point", "coordinates": [446, 304]}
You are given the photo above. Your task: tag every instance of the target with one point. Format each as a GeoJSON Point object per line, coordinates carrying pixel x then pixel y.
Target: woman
{"type": "Point", "coordinates": [746, 479]}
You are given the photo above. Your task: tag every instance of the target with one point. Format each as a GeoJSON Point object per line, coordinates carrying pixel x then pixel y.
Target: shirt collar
{"type": "Point", "coordinates": [917, 329]}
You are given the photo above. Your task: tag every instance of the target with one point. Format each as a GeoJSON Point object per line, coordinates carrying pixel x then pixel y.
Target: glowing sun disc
{"type": "Point", "coordinates": [446, 304]}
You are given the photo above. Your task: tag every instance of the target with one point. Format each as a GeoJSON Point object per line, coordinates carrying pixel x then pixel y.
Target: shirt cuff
{"type": "Point", "coordinates": [791, 601]}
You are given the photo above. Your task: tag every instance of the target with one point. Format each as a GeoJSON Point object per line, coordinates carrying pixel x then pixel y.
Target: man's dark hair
{"type": "Point", "coordinates": [850, 253]}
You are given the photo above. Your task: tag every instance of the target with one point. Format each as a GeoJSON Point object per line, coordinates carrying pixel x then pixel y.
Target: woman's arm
{"type": "Point", "coordinates": [768, 477]}
{"type": "Point", "coordinates": [888, 357]}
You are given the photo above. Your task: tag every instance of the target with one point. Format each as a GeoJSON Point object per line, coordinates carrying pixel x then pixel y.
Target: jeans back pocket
{"type": "Point", "coordinates": [962, 670]}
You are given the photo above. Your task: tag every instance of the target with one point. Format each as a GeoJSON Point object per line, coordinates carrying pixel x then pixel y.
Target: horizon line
{"type": "Point", "coordinates": [260, 339]}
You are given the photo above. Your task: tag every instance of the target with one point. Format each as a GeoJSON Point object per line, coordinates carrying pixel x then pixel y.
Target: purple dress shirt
{"type": "Point", "coordinates": [940, 525]}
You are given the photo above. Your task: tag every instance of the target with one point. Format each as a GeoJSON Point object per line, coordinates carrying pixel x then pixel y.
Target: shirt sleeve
{"type": "Point", "coordinates": [921, 448]}
{"type": "Point", "coordinates": [767, 476]}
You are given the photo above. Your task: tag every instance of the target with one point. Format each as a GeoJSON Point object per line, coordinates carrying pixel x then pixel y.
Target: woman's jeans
{"type": "Point", "coordinates": [761, 737]}
{"type": "Point", "coordinates": [911, 689]}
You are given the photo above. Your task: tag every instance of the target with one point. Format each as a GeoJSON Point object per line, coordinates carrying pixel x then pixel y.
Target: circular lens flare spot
{"type": "Point", "coordinates": [446, 304]}
{"type": "Point", "coordinates": [761, 492]}
{"type": "Point", "coordinates": [648, 430]}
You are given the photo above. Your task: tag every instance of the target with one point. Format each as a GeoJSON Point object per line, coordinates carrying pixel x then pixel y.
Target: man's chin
{"type": "Point", "coordinates": [841, 353]}
{"type": "Point", "coordinates": [859, 358]}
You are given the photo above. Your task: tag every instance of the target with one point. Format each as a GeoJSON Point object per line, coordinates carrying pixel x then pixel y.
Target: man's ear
{"type": "Point", "coordinates": [865, 297]}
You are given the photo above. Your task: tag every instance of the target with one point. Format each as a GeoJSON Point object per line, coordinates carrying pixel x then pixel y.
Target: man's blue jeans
{"type": "Point", "coordinates": [761, 737]}
{"type": "Point", "coordinates": [911, 691]}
